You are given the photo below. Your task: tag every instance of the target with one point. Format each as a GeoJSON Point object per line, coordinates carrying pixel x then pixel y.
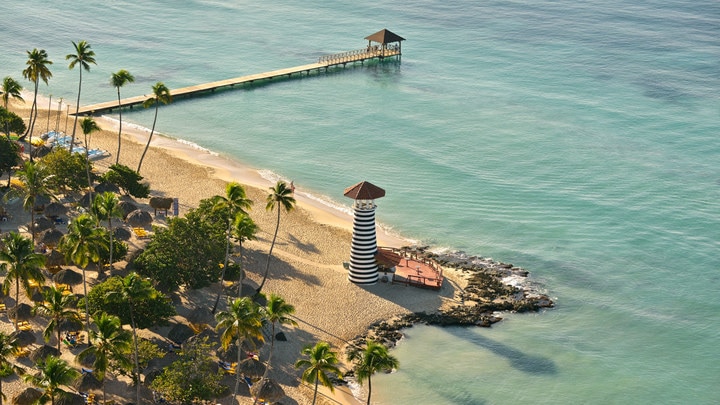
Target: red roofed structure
{"type": "Point", "coordinates": [364, 191]}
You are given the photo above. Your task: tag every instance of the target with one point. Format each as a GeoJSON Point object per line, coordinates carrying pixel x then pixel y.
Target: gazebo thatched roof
{"type": "Point", "coordinates": [384, 36]}
{"type": "Point", "coordinates": [54, 258]}
{"type": "Point", "coordinates": [252, 367]}
{"type": "Point", "coordinates": [87, 382]}
{"type": "Point", "coordinates": [23, 311]}
{"type": "Point", "coordinates": [24, 337]}
{"type": "Point", "coordinates": [42, 352]}
{"type": "Point", "coordinates": [68, 276]}
{"type": "Point", "coordinates": [267, 390]}
{"type": "Point", "coordinates": [27, 396]}
{"type": "Point", "coordinates": [364, 191]}
{"type": "Point", "coordinates": [139, 218]}
{"type": "Point", "coordinates": [180, 333]}
{"type": "Point", "coordinates": [51, 237]}
{"type": "Point", "coordinates": [54, 209]}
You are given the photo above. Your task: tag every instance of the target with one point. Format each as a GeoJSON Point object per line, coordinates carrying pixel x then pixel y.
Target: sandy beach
{"type": "Point", "coordinates": [306, 270]}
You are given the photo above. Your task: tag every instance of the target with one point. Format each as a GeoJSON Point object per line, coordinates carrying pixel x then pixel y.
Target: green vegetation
{"type": "Point", "coordinates": [161, 94]}
{"type": "Point", "coordinates": [20, 264]}
{"type": "Point", "coordinates": [127, 180]}
{"type": "Point", "coordinates": [319, 364]}
{"type": "Point", "coordinates": [117, 80]}
{"type": "Point", "coordinates": [65, 171]}
{"type": "Point", "coordinates": [368, 361]}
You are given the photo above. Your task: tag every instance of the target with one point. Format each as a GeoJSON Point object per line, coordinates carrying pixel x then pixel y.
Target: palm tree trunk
{"type": "Point", "coordinates": [152, 130]}
{"type": "Point", "coordinates": [317, 380]}
{"type": "Point", "coordinates": [33, 116]}
{"type": "Point", "coordinates": [17, 299]}
{"type": "Point", "coordinates": [77, 109]}
{"type": "Point", "coordinates": [103, 384]}
{"type": "Point", "coordinates": [242, 272]}
{"type": "Point", "coordinates": [58, 337]}
{"type": "Point", "coordinates": [1, 393]}
{"type": "Point", "coordinates": [272, 245]}
{"type": "Point", "coordinates": [222, 276]}
{"type": "Point", "coordinates": [32, 223]}
{"type": "Point", "coordinates": [117, 156]}
{"type": "Point", "coordinates": [87, 169]}
{"type": "Point", "coordinates": [369, 388]}
{"type": "Point", "coordinates": [87, 310]}
{"type": "Point", "coordinates": [137, 363]}
{"type": "Point", "coordinates": [237, 369]}
{"type": "Point", "coordinates": [111, 241]}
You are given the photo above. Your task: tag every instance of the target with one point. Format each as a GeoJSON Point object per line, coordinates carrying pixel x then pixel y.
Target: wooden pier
{"type": "Point", "coordinates": [380, 51]}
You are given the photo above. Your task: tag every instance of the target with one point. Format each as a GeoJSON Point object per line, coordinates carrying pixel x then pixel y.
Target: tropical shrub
{"type": "Point", "coordinates": [65, 170]}
{"type": "Point", "coordinates": [127, 180]}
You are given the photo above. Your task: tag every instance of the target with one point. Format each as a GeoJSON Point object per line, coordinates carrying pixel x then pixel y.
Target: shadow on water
{"type": "Point", "coordinates": [521, 361]}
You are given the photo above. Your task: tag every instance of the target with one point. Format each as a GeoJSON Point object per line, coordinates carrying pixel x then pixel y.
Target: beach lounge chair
{"type": "Point", "coordinates": [141, 233]}
{"type": "Point", "coordinates": [3, 308]}
{"type": "Point", "coordinates": [22, 352]}
{"type": "Point", "coordinates": [24, 325]}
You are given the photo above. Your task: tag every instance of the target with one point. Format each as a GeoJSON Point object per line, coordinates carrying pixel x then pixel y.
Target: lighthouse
{"type": "Point", "coordinates": [363, 268]}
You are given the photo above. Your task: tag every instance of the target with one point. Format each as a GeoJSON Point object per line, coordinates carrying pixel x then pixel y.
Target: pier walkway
{"type": "Point", "coordinates": [324, 62]}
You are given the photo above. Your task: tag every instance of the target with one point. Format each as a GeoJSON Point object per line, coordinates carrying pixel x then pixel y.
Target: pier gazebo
{"type": "Point", "coordinates": [385, 38]}
{"type": "Point", "coordinates": [363, 268]}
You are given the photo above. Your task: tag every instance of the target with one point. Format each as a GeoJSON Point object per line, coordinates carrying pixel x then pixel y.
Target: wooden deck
{"type": "Point", "coordinates": [411, 270]}
{"type": "Point", "coordinates": [324, 62]}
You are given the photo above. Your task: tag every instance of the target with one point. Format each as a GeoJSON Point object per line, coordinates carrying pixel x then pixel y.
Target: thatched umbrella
{"type": "Point", "coordinates": [40, 201]}
{"type": "Point", "coordinates": [121, 233]}
{"type": "Point", "coordinates": [23, 338]}
{"type": "Point", "coordinates": [41, 151]}
{"type": "Point", "coordinates": [68, 276]}
{"type": "Point", "coordinates": [54, 209]}
{"type": "Point", "coordinates": [139, 218]}
{"type": "Point", "coordinates": [88, 361]}
{"type": "Point", "coordinates": [231, 354]}
{"type": "Point", "coordinates": [27, 396]}
{"type": "Point", "coordinates": [267, 390]}
{"type": "Point", "coordinates": [127, 207]}
{"type": "Point", "coordinates": [54, 258]}
{"type": "Point", "coordinates": [70, 325]}
{"type": "Point", "coordinates": [41, 224]}
{"type": "Point", "coordinates": [37, 295]}
{"type": "Point", "coordinates": [42, 352]}
{"type": "Point", "coordinates": [201, 316]}
{"type": "Point", "coordinates": [70, 398]}
{"type": "Point", "coordinates": [50, 237]}
{"type": "Point", "coordinates": [87, 382]}
{"type": "Point", "coordinates": [180, 332]}
{"type": "Point", "coordinates": [85, 199]}
{"type": "Point", "coordinates": [252, 367]}
{"type": "Point", "coordinates": [105, 186]}
{"type": "Point", "coordinates": [23, 311]}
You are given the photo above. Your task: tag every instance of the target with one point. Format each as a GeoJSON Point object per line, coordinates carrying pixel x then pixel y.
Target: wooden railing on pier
{"type": "Point", "coordinates": [324, 62]}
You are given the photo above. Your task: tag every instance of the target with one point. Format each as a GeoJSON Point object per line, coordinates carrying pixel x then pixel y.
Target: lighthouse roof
{"type": "Point", "coordinates": [364, 191]}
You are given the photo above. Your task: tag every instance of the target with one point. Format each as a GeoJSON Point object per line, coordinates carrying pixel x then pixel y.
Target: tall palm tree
{"type": "Point", "coordinates": [34, 183]}
{"type": "Point", "coordinates": [281, 196]}
{"type": "Point", "coordinates": [109, 342]}
{"type": "Point", "coordinates": [320, 362]}
{"type": "Point", "coordinates": [134, 290]}
{"type": "Point", "coordinates": [82, 245]}
{"type": "Point", "coordinates": [88, 126]}
{"type": "Point", "coordinates": [83, 57]}
{"type": "Point", "coordinates": [242, 321]}
{"type": "Point", "coordinates": [106, 207]}
{"type": "Point", "coordinates": [58, 308]}
{"type": "Point", "coordinates": [244, 228]}
{"type": "Point", "coordinates": [53, 373]}
{"type": "Point", "coordinates": [161, 94]}
{"type": "Point", "coordinates": [8, 347]}
{"type": "Point", "coordinates": [20, 264]}
{"type": "Point", "coordinates": [37, 69]}
{"type": "Point", "coordinates": [234, 202]}
{"type": "Point", "coordinates": [277, 311]}
{"type": "Point", "coordinates": [10, 88]}
{"type": "Point", "coordinates": [117, 80]}
{"type": "Point", "coordinates": [375, 357]}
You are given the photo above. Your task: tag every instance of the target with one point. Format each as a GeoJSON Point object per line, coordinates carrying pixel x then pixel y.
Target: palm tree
{"type": "Point", "coordinates": [10, 88]}
{"type": "Point", "coordinates": [161, 94]}
{"type": "Point", "coordinates": [8, 347]}
{"type": "Point", "coordinates": [134, 289]}
{"type": "Point", "coordinates": [244, 228]}
{"type": "Point", "coordinates": [105, 206]}
{"type": "Point", "coordinates": [277, 311]}
{"type": "Point", "coordinates": [53, 373]}
{"type": "Point", "coordinates": [20, 264]}
{"type": "Point", "coordinates": [375, 357]}
{"type": "Point", "coordinates": [83, 56]}
{"type": "Point", "coordinates": [88, 126]}
{"type": "Point", "coordinates": [281, 197]}
{"type": "Point", "coordinates": [58, 308]}
{"type": "Point", "coordinates": [82, 245]}
{"type": "Point", "coordinates": [37, 69]}
{"type": "Point", "coordinates": [320, 362]}
{"type": "Point", "coordinates": [34, 183]}
{"type": "Point", "coordinates": [234, 202]}
{"type": "Point", "coordinates": [117, 80]}
{"type": "Point", "coordinates": [109, 342]}
{"type": "Point", "coordinates": [242, 321]}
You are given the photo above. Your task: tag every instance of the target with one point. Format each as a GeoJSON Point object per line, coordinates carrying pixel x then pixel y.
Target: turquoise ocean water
{"type": "Point", "coordinates": [576, 139]}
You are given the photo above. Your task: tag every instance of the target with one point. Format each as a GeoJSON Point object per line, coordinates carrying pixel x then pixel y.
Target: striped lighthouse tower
{"type": "Point", "coordinates": [363, 268]}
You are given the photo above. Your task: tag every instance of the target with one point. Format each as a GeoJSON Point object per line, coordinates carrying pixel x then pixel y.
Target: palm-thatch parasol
{"type": "Point", "coordinates": [87, 361]}
{"type": "Point", "coordinates": [37, 295]}
{"type": "Point", "coordinates": [68, 276]}
{"type": "Point", "coordinates": [54, 258]}
{"type": "Point", "coordinates": [50, 237]}
{"type": "Point", "coordinates": [40, 201]}
{"type": "Point", "coordinates": [87, 382]}
{"type": "Point", "coordinates": [42, 353]}
{"type": "Point", "coordinates": [105, 186]}
{"type": "Point", "coordinates": [121, 233]}
{"type": "Point", "coordinates": [54, 209]}
{"type": "Point", "coordinates": [70, 325]}
{"type": "Point", "coordinates": [41, 151]}
{"type": "Point", "coordinates": [231, 353]}
{"type": "Point", "coordinates": [180, 333]}
{"type": "Point", "coordinates": [252, 367]}
{"type": "Point", "coordinates": [23, 338]}
{"type": "Point", "coordinates": [41, 224]}
{"type": "Point", "coordinates": [85, 199]}
{"type": "Point", "coordinates": [267, 390]}
{"type": "Point", "coordinates": [139, 218]}
{"type": "Point", "coordinates": [27, 396]}
{"type": "Point", "coordinates": [127, 207]}
{"type": "Point", "coordinates": [70, 398]}
{"type": "Point", "coordinates": [23, 312]}
{"type": "Point", "coordinates": [201, 316]}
